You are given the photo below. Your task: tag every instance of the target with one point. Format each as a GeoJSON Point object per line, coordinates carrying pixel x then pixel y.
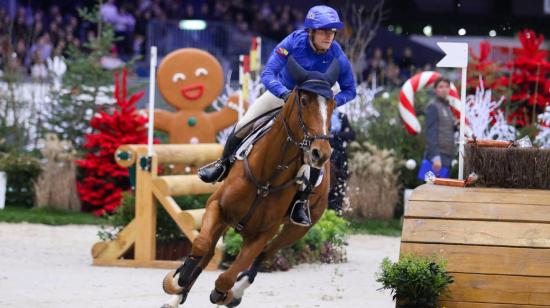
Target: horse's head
{"type": "Point", "coordinates": [309, 109]}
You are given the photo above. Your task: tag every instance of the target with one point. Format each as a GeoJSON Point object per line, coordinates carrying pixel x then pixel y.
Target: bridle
{"type": "Point", "coordinates": [305, 144]}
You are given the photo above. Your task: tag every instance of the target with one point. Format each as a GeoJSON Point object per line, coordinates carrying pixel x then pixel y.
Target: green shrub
{"type": "Point", "coordinates": [323, 243]}
{"type": "Point", "coordinates": [330, 228]}
{"type": "Point", "coordinates": [22, 171]}
{"type": "Point", "coordinates": [415, 281]}
{"type": "Point", "coordinates": [232, 242]}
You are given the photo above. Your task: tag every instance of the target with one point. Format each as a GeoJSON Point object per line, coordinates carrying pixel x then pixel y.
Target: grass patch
{"type": "Point", "coordinates": [48, 216]}
{"type": "Point", "coordinates": [379, 227]}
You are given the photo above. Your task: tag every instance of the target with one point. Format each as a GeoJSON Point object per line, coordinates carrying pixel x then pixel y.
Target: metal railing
{"type": "Point", "coordinates": [223, 40]}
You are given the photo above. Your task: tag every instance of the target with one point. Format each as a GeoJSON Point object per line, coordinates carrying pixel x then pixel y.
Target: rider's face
{"type": "Point", "coordinates": [322, 38]}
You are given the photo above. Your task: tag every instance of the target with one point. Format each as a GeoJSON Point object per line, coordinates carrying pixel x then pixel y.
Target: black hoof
{"type": "Point", "coordinates": [216, 297]}
{"type": "Point", "coordinates": [234, 303]}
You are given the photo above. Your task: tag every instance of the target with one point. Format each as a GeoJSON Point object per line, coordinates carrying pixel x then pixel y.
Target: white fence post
{"type": "Point", "coordinates": [3, 185]}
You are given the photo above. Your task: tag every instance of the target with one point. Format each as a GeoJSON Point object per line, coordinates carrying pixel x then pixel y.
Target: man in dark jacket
{"type": "Point", "coordinates": [440, 130]}
{"type": "Point", "coordinates": [341, 134]}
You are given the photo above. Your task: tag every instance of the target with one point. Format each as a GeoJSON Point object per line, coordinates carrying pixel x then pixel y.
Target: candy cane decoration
{"type": "Point", "coordinates": [406, 99]}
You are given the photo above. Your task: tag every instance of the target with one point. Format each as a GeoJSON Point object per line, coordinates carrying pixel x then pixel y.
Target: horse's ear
{"type": "Point", "coordinates": [333, 72]}
{"type": "Point", "coordinates": [296, 71]}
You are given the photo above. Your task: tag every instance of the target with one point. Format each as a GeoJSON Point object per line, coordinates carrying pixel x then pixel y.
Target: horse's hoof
{"type": "Point", "coordinates": [220, 298]}
{"type": "Point", "coordinates": [234, 303]}
{"type": "Point", "coordinates": [170, 284]}
{"type": "Point", "coordinates": [175, 301]}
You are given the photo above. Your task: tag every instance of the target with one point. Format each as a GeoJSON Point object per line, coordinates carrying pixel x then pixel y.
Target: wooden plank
{"type": "Point", "coordinates": [499, 289]}
{"type": "Point", "coordinates": [429, 192]}
{"type": "Point", "coordinates": [192, 218]}
{"type": "Point", "coordinates": [193, 154]}
{"type": "Point", "coordinates": [486, 259]}
{"type": "Point", "coordinates": [479, 211]}
{"type": "Point", "coordinates": [116, 248]}
{"type": "Point", "coordinates": [476, 232]}
{"type": "Point", "coordinates": [181, 185]}
{"type": "Point", "coordinates": [449, 304]}
{"type": "Point", "coordinates": [174, 211]}
{"type": "Point", "coordinates": [137, 263]}
{"type": "Point", "coordinates": [166, 264]}
{"type": "Point", "coordinates": [129, 150]}
{"type": "Point", "coordinates": [146, 213]}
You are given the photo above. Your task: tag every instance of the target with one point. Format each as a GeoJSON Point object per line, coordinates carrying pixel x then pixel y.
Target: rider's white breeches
{"type": "Point", "coordinates": [263, 105]}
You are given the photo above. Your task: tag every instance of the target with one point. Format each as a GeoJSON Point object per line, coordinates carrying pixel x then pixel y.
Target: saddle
{"type": "Point", "coordinates": [260, 129]}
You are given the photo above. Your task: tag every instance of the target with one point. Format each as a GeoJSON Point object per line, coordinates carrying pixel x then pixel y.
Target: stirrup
{"type": "Point", "coordinates": [301, 203]}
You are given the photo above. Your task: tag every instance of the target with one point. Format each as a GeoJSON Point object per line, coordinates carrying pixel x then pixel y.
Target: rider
{"type": "Point", "coordinates": [314, 49]}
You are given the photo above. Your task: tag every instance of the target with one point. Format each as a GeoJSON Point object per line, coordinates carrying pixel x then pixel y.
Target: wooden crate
{"type": "Point", "coordinates": [496, 242]}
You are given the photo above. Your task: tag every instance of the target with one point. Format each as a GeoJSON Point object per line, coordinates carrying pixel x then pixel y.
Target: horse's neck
{"type": "Point", "coordinates": [275, 151]}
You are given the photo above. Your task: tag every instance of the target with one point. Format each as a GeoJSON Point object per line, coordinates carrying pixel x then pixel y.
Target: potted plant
{"type": "Point", "coordinates": [415, 281]}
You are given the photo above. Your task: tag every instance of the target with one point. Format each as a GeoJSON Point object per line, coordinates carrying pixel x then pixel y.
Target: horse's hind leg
{"type": "Point", "coordinates": [251, 248]}
{"type": "Point", "coordinates": [181, 281]}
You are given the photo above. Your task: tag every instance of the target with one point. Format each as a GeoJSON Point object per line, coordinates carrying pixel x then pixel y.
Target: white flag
{"type": "Point", "coordinates": [456, 54]}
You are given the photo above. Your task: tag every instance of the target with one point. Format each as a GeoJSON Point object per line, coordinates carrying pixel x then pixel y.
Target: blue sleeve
{"type": "Point", "coordinates": [274, 65]}
{"type": "Point", "coordinates": [431, 131]}
{"type": "Point", "coordinates": [346, 82]}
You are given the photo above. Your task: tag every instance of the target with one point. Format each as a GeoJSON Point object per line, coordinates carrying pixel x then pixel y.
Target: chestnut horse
{"type": "Point", "coordinates": [256, 195]}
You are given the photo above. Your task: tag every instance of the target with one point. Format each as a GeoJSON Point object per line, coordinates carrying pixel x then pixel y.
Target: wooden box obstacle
{"type": "Point", "coordinates": [496, 242]}
{"type": "Point", "coordinates": [140, 233]}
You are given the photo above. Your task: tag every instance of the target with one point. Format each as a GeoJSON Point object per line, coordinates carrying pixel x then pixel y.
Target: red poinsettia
{"type": "Point", "coordinates": [529, 78]}
{"type": "Point", "coordinates": [103, 179]}
{"type": "Point", "coordinates": [481, 65]}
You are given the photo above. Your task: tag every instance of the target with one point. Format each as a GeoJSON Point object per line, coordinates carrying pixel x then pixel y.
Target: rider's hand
{"type": "Point", "coordinates": [436, 166]}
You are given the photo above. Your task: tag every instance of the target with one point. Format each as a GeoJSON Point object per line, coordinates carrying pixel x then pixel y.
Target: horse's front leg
{"type": "Point", "coordinates": [288, 236]}
{"type": "Point", "coordinates": [179, 282]}
{"type": "Point", "coordinates": [252, 246]}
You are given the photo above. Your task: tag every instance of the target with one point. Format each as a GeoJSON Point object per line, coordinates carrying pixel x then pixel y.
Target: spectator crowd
{"type": "Point", "coordinates": [39, 31]}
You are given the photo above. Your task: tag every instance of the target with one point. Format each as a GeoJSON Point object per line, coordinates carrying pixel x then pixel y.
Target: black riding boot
{"type": "Point", "coordinates": [218, 170]}
{"type": "Point", "coordinates": [300, 215]}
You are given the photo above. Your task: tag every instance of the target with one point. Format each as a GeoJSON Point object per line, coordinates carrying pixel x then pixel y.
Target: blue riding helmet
{"type": "Point", "coordinates": [322, 17]}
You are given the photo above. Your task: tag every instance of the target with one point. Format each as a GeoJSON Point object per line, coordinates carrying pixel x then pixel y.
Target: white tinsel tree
{"type": "Point", "coordinates": [360, 110]}
{"type": "Point", "coordinates": [255, 88]}
{"type": "Point", "coordinates": [486, 119]}
{"type": "Point", "coordinates": [543, 138]}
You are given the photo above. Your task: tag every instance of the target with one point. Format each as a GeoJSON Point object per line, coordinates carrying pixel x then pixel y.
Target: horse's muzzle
{"type": "Point", "coordinates": [319, 155]}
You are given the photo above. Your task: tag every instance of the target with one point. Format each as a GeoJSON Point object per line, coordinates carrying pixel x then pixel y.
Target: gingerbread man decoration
{"type": "Point", "coordinates": [191, 79]}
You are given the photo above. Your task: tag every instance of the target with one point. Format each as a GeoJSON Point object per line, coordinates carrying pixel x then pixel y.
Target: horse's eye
{"type": "Point", "coordinates": [303, 100]}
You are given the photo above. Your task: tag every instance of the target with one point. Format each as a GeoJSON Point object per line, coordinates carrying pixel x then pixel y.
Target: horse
{"type": "Point", "coordinates": [256, 195]}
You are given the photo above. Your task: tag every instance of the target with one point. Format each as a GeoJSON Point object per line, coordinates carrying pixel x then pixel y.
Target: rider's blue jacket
{"type": "Point", "coordinates": [277, 79]}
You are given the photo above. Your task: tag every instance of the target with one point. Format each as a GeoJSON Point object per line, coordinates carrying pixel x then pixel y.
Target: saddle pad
{"type": "Point", "coordinates": [261, 127]}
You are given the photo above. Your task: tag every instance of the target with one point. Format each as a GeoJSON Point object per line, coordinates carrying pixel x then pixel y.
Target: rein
{"type": "Point", "coordinates": [263, 189]}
